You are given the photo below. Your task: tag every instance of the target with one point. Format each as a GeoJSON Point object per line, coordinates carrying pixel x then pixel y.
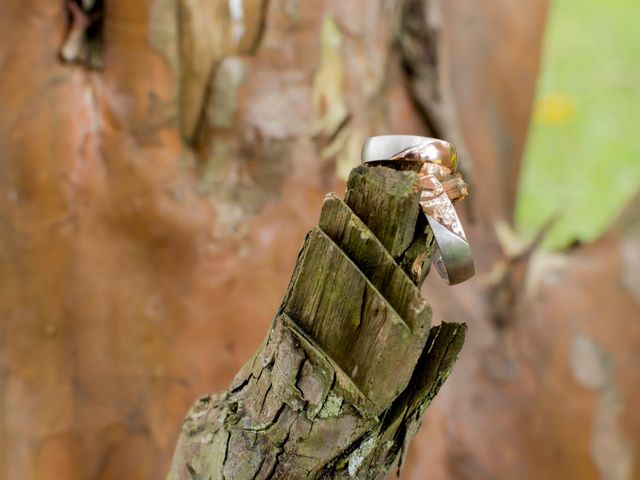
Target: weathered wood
{"type": "Point", "coordinates": [355, 239]}
{"type": "Point", "coordinates": [367, 196]}
{"type": "Point", "coordinates": [349, 365]}
{"type": "Point", "coordinates": [352, 321]}
{"type": "Point", "coordinates": [386, 200]}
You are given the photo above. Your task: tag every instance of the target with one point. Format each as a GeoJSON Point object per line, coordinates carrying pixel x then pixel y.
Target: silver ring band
{"type": "Point", "coordinates": [413, 148]}
{"type": "Point", "coordinates": [454, 261]}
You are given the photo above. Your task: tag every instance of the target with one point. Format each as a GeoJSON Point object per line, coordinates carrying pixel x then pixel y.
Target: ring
{"type": "Point", "coordinates": [441, 186]}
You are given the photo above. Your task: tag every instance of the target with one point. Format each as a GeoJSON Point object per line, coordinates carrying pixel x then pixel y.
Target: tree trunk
{"type": "Point", "coordinates": [160, 162]}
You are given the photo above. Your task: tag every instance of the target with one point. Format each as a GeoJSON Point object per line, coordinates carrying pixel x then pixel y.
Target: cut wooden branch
{"type": "Point", "coordinates": [350, 363]}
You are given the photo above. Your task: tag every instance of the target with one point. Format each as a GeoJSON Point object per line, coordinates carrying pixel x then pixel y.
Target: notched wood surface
{"type": "Point", "coordinates": [350, 363]}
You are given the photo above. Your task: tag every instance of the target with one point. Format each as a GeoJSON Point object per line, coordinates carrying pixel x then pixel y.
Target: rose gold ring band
{"type": "Point", "coordinates": [440, 184]}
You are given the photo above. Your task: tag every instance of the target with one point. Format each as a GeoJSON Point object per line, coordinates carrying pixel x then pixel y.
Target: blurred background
{"type": "Point", "coordinates": [162, 160]}
{"type": "Point", "coordinates": [586, 110]}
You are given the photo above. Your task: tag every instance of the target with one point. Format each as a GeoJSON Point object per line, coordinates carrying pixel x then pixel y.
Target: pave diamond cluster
{"type": "Point", "coordinates": [439, 169]}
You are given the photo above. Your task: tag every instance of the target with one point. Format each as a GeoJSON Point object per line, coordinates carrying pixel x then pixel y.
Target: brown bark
{"type": "Point", "coordinates": [138, 189]}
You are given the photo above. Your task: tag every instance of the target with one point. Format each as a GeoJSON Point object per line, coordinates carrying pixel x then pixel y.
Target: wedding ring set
{"type": "Point", "coordinates": [441, 185]}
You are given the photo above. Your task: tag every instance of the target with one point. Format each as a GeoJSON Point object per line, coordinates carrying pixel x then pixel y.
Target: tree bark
{"type": "Point", "coordinates": [350, 363]}
{"type": "Point", "coordinates": [161, 160]}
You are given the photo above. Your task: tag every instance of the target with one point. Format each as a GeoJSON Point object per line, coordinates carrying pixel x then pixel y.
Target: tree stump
{"type": "Point", "coordinates": [351, 361]}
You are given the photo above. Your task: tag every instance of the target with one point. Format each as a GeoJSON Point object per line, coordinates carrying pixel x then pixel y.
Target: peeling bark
{"type": "Point", "coordinates": [144, 251]}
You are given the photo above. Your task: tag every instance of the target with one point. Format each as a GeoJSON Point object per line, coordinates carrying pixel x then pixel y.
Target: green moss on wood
{"type": "Point", "coordinates": [349, 366]}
